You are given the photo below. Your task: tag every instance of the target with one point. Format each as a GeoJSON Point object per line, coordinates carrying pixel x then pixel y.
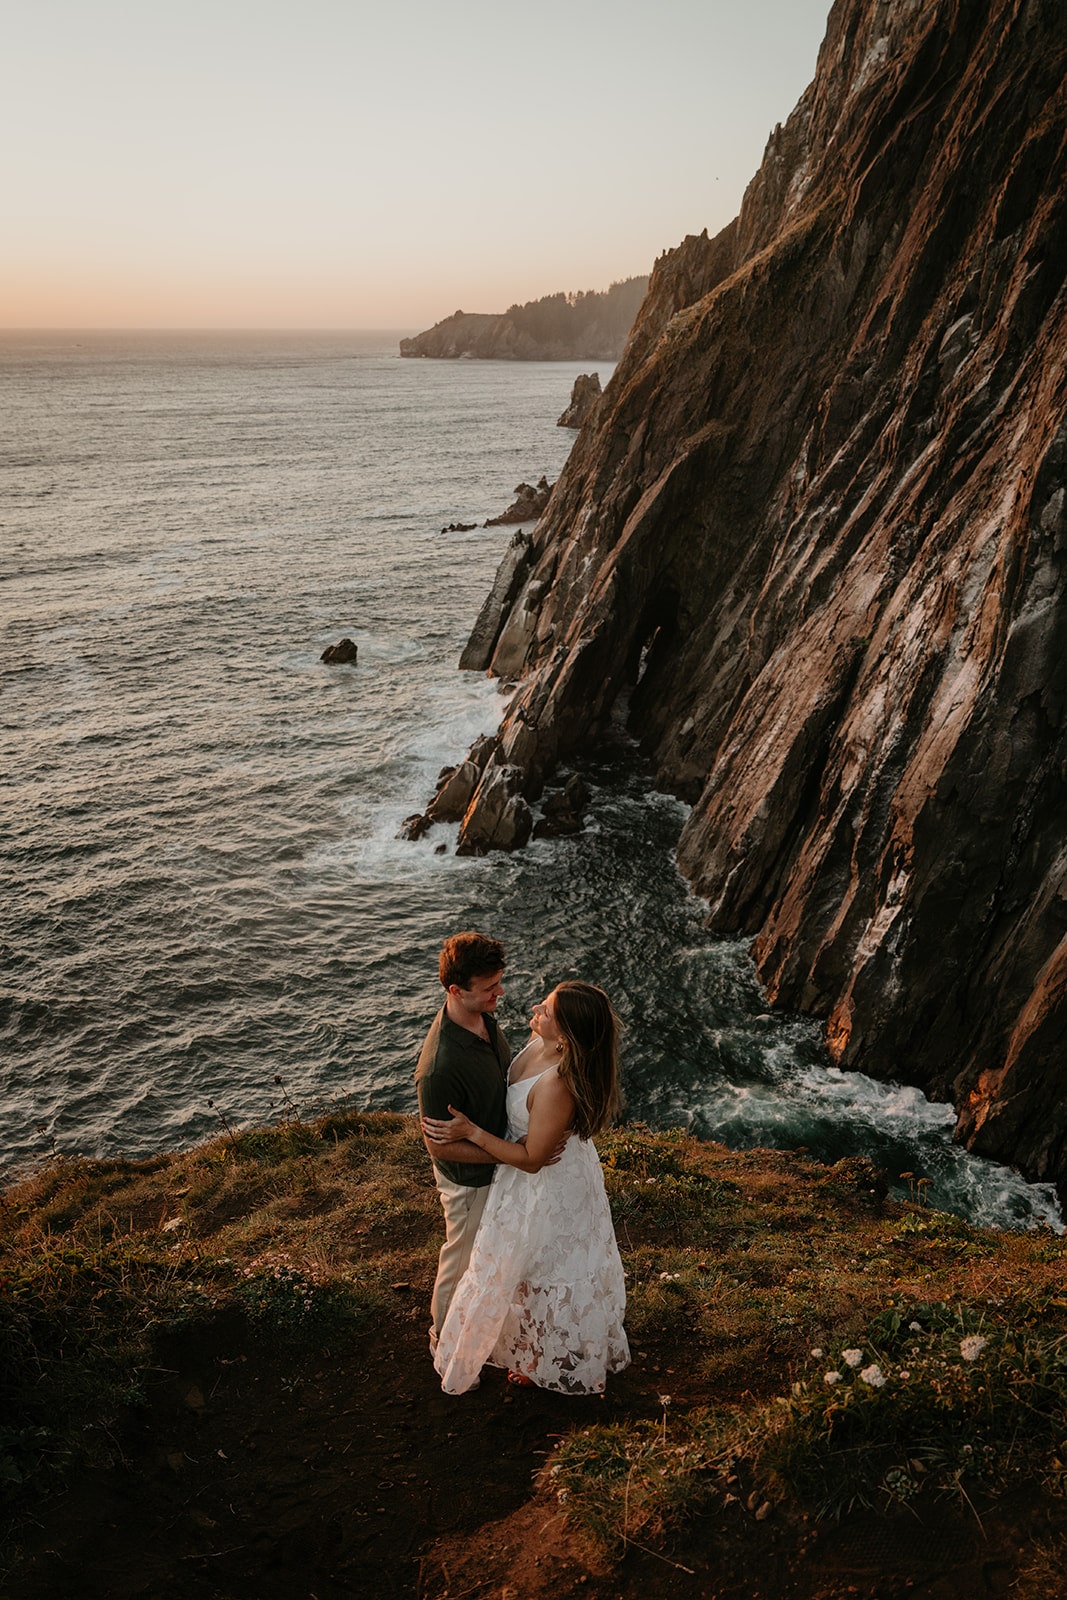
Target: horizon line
{"type": "Point", "coordinates": [203, 328]}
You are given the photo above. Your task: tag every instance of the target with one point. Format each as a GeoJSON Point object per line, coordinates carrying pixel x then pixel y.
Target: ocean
{"type": "Point", "coordinates": [204, 905]}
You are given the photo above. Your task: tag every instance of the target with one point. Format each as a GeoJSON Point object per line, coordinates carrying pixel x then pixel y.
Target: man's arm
{"type": "Point", "coordinates": [459, 1150]}
{"type": "Point", "coordinates": [435, 1091]}
{"type": "Point", "coordinates": [551, 1111]}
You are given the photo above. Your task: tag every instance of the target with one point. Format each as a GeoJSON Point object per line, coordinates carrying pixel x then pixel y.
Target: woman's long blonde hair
{"type": "Point", "coordinates": [590, 1062]}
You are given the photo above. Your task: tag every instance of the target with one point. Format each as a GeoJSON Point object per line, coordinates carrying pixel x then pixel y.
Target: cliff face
{"type": "Point", "coordinates": [813, 547]}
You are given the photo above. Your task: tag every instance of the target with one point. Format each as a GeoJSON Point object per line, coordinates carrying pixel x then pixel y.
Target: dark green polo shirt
{"type": "Point", "coordinates": [458, 1068]}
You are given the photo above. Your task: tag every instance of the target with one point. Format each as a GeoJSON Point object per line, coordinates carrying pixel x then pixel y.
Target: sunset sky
{"type": "Point", "coordinates": [342, 164]}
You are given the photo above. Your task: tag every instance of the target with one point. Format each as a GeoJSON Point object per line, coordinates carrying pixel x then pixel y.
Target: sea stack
{"type": "Point", "coordinates": [346, 653]}
{"type": "Point", "coordinates": [585, 397]}
{"type": "Point", "coordinates": [815, 540]}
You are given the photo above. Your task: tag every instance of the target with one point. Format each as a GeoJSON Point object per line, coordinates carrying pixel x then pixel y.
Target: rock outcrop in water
{"type": "Point", "coordinates": [344, 654]}
{"type": "Point", "coordinates": [812, 550]}
{"type": "Point", "coordinates": [585, 397]}
{"type": "Point", "coordinates": [529, 502]}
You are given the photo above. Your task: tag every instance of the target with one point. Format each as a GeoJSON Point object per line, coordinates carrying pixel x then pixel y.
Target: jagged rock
{"type": "Point", "coordinates": [482, 749]}
{"type": "Point", "coordinates": [576, 793]}
{"type": "Point", "coordinates": [503, 820]}
{"type": "Point", "coordinates": [459, 527]}
{"type": "Point", "coordinates": [527, 506]}
{"type": "Point", "coordinates": [455, 786]}
{"type": "Point", "coordinates": [812, 546]}
{"type": "Point", "coordinates": [342, 654]}
{"type": "Point", "coordinates": [562, 810]}
{"type": "Point", "coordinates": [415, 827]}
{"type": "Point", "coordinates": [454, 796]}
{"type": "Point", "coordinates": [518, 628]}
{"type": "Point", "coordinates": [511, 575]}
{"type": "Point", "coordinates": [585, 397]}
{"type": "Point", "coordinates": [557, 825]}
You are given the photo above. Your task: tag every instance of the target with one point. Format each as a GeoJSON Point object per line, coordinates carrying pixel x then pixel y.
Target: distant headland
{"type": "Point", "coordinates": [588, 326]}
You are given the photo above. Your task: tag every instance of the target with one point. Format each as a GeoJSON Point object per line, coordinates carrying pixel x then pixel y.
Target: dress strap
{"type": "Point", "coordinates": [529, 1082]}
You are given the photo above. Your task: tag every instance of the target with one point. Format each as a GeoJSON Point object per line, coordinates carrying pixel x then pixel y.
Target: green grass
{"type": "Point", "coordinates": [934, 1401]}
{"type": "Point", "coordinates": [98, 1260]}
{"type": "Point", "coordinates": [739, 1265]}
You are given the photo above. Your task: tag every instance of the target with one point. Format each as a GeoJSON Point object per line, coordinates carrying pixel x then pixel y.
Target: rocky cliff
{"type": "Point", "coordinates": [812, 547]}
{"type": "Point", "coordinates": [589, 326]}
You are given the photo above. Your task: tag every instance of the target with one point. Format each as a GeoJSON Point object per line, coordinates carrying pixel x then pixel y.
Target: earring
{"type": "Point", "coordinates": [559, 1048]}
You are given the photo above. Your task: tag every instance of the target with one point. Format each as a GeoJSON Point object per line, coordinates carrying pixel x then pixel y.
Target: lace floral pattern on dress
{"type": "Point", "coordinates": [544, 1294]}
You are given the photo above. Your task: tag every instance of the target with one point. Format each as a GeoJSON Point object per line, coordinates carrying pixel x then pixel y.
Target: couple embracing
{"type": "Point", "coordinates": [529, 1277]}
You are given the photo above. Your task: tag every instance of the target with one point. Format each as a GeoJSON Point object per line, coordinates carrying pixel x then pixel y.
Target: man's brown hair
{"type": "Point", "coordinates": [469, 955]}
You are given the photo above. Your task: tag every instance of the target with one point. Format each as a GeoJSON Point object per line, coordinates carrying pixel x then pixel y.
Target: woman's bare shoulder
{"type": "Point", "coordinates": [550, 1089]}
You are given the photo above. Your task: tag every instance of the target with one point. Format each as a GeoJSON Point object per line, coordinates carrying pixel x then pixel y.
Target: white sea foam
{"type": "Point", "coordinates": [206, 887]}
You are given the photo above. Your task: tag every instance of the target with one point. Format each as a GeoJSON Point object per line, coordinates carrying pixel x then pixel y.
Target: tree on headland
{"type": "Point", "coordinates": [589, 324]}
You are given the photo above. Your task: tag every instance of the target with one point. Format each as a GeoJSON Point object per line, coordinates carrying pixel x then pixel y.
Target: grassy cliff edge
{"type": "Point", "coordinates": [219, 1355]}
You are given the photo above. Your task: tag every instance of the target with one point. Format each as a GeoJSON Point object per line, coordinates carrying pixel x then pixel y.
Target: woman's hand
{"type": "Point", "coordinates": [447, 1132]}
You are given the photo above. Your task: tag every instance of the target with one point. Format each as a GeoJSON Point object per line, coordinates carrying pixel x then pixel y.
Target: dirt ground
{"type": "Point", "coordinates": [245, 1479]}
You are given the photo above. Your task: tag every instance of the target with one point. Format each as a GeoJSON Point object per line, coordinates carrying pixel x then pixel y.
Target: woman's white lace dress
{"type": "Point", "coordinates": [544, 1294]}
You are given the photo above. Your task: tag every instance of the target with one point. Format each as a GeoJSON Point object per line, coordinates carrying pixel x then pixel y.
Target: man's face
{"type": "Point", "coordinates": [484, 992]}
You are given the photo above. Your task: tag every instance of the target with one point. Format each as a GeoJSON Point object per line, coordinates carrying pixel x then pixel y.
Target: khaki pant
{"type": "Point", "coordinates": [463, 1207]}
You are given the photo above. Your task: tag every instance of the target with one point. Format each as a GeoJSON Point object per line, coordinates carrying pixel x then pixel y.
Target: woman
{"type": "Point", "coordinates": [544, 1294]}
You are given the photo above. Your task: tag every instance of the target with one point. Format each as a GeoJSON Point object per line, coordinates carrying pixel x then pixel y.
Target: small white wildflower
{"type": "Point", "coordinates": [831, 1378]}
{"type": "Point", "coordinates": [915, 1327]}
{"type": "Point", "coordinates": [904, 1375]}
{"type": "Point", "coordinates": [852, 1357]}
{"type": "Point", "coordinates": [664, 1400]}
{"type": "Point", "coordinates": [817, 1354]}
{"type": "Point", "coordinates": [971, 1347]}
{"type": "Point", "coordinates": [873, 1375]}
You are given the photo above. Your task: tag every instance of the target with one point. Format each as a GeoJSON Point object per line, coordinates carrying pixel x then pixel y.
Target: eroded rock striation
{"type": "Point", "coordinates": [813, 547]}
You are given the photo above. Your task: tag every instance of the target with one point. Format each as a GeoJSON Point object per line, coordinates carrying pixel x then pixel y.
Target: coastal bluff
{"type": "Point", "coordinates": [811, 552]}
{"type": "Point", "coordinates": [588, 326]}
{"type": "Point", "coordinates": [217, 1383]}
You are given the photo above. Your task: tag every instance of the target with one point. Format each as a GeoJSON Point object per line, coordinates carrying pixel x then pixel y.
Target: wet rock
{"type": "Point", "coordinates": [342, 654]}
{"type": "Point", "coordinates": [576, 792]}
{"type": "Point", "coordinates": [454, 796]}
{"type": "Point", "coordinates": [455, 788]}
{"type": "Point", "coordinates": [502, 820]}
{"type": "Point", "coordinates": [415, 827]}
{"type": "Point", "coordinates": [562, 810]}
{"type": "Point", "coordinates": [511, 575]}
{"type": "Point", "coordinates": [529, 502]}
{"type": "Point", "coordinates": [585, 398]}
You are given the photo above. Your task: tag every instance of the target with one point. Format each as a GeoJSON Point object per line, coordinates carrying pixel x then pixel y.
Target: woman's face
{"type": "Point", "coordinates": [543, 1021]}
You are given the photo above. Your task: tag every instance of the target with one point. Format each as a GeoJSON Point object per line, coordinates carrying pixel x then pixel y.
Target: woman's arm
{"type": "Point", "coordinates": [551, 1112]}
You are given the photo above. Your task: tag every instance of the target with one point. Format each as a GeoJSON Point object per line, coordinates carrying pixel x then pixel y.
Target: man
{"type": "Point", "coordinates": [464, 1062]}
